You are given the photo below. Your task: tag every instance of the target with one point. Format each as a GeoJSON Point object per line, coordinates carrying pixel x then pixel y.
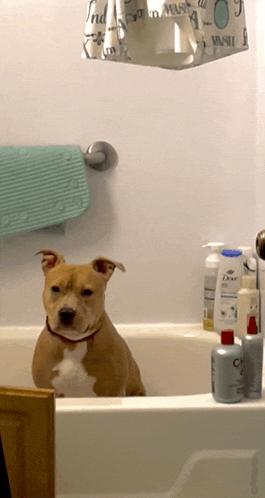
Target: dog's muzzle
{"type": "Point", "coordinates": [66, 316]}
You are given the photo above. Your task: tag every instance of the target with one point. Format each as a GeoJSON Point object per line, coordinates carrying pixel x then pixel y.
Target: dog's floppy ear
{"type": "Point", "coordinates": [50, 259]}
{"type": "Point", "coordinates": [106, 266]}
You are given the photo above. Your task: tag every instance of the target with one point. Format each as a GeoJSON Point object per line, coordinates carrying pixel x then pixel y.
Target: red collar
{"type": "Point", "coordinates": [91, 336]}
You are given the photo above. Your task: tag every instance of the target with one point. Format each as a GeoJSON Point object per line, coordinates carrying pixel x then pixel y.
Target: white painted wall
{"type": "Point", "coordinates": [260, 134]}
{"type": "Point", "coordinates": [187, 170]}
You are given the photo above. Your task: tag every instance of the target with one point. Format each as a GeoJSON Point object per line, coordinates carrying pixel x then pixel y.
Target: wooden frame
{"type": "Point", "coordinates": [27, 434]}
{"type": "Point", "coordinates": [5, 488]}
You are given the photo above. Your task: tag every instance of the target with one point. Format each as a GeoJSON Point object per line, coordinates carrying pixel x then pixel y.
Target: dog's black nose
{"type": "Point", "coordinates": [67, 315]}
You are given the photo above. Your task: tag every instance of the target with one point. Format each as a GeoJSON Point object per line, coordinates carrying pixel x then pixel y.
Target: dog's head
{"type": "Point", "coordinates": [73, 295]}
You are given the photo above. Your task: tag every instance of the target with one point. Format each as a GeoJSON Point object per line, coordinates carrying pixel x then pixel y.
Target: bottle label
{"type": "Point", "coordinates": [227, 378]}
{"type": "Point", "coordinates": [228, 309]}
{"type": "Point", "coordinates": [230, 283]}
{"type": "Point", "coordinates": [253, 356]}
{"type": "Point", "coordinates": [209, 296]}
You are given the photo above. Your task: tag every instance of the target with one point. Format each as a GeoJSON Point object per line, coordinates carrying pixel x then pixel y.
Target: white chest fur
{"type": "Point", "coordinates": [71, 379]}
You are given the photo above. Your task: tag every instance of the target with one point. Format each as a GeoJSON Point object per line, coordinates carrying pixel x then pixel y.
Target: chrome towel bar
{"type": "Point", "coordinates": [100, 156]}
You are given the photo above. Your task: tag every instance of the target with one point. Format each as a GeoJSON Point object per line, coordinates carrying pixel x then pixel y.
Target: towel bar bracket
{"type": "Point", "coordinates": [100, 156]}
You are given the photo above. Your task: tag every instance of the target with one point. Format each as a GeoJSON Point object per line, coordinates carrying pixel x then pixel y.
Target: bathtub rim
{"type": "Point", "coordinates": [198, 402]}
{"type": "Point", "coordinates": [169, 330]}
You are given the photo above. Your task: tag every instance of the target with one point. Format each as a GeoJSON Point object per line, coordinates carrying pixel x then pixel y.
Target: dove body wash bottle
{"type": "Point", "coordinates": [230, 272]}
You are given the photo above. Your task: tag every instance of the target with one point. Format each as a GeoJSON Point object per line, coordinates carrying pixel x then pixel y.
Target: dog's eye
{"type": "Point", "coordinates": [55, 288]}
{"type": "Point", "coordinates": [87, 292]}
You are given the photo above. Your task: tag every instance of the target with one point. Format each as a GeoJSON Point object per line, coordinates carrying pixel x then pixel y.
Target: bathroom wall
{"type": "Point", "coordinates": [260, 116]}
{"type": "Point", "coordinates": [189, 168]}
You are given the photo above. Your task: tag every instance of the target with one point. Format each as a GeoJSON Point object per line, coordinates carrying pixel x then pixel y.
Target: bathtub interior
{"type": "Point", "coordinates": [176, 442]}
{"type": "Point", "coordinates": [172, 362]}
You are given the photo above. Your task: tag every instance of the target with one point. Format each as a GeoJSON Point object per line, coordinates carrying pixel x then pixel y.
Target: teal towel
{"type": "Point", "coordinates": [41, 186]}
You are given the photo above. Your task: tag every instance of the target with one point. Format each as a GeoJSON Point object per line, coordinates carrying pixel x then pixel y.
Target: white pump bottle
{"type": "Point", "coordinates": [212, 264]}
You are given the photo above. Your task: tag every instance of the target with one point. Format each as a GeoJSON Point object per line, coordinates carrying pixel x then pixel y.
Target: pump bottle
{"type": "Point", "coordinates": [212, 264]}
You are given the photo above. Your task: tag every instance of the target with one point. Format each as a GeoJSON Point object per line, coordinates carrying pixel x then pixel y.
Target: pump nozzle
{"type": "Point", "coordinates": [214, 245]}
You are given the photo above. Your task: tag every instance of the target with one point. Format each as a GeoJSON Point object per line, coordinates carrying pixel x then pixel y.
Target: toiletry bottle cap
{"type": "Point", "coordinates": [227, 337]}
{"type": "Point", "coordinates": [252, 326]}
{"type": "Point", "coordinates": [231, 253]}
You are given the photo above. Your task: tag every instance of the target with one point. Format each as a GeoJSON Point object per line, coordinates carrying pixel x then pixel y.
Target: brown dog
{"type": "Point", "coordinates": [79, 352]}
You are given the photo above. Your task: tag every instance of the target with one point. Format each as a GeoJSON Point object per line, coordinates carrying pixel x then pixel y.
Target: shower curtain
{"type": "Point", "coordinates": [175, 35]}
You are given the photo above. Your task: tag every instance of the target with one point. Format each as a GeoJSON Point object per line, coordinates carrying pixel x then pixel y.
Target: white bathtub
{"type": "Point", "coordinates": [175, 443]}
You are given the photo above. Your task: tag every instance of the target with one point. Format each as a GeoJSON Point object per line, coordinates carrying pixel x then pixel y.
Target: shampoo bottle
{"type": "Point", "coordinates": [247, 304]}
{"type": "Point", "coordinates": [212, 264]}
{"type": "Point", "coordinates": [227, 380]}
{"type": "Point", "coordinates": [252, 345]}
{"type": "Point", "coordinates": [227, 286]}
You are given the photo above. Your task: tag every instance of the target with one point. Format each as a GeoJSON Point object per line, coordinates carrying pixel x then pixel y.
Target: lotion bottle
{"type": "Point", "coordinates": [252, 345]}
{"type": "Point", "coordinates": [247, 304]}
{"type": "Point", "coordinates": [212, 263]}
{"type": "Point", "coordinates": [227, 381]}
{"type": "Point", "coordinates": [227, 286]}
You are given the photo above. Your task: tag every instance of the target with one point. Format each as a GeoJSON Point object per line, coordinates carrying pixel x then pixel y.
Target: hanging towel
{"type": "Point", "coordinates": [172, 35]}
{"type": "Point", "coordinates": [40, 187]}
